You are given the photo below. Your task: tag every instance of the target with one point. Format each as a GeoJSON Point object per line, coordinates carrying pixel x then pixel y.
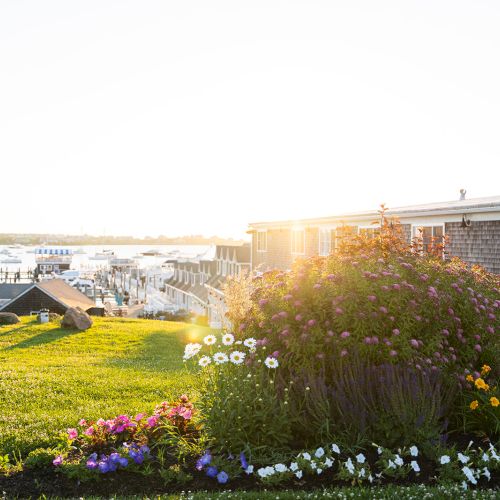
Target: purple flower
{"type": "Point", "coordinates": [243, 460]}
{"type": "Point", "coordinates": [395, 331]}
{"type": "Point", "coordinates": [212, 471]}
{"type": "Point", "coordinates": [114, 457]}
{"type": "Point", "coordinates": [344, 335]}
{"type": "Point", "coordinates": [477, 348]}
{"type": "Point", "coordinates": [222, 477]}
{"type": "Point", "coordinates": [103, 466]}
{"type": "Point", "coordinates": [414, 343]}
{"type": "Point", "coordinates": [204, 460]}
{"type": "Point", "coordinates": [57, 461]}
{"type": "Point", "coordinates": [144, 449]}
{"type": "Point", "coordinates": [371, 298]}
{"type": "Point", "coordinates": [393, 353]}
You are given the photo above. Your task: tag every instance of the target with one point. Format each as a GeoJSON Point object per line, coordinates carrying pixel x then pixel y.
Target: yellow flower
{"type": "Point", "coordinates": [485, 369]}
{"type": "Point", "coordinates": [474, 404]}
{"type": "Point", "coordinates": [470, 378]}
{"type": "Point", "coordinates": [481, 384]}
{"type": "Point", "coordinates": [494, 401]}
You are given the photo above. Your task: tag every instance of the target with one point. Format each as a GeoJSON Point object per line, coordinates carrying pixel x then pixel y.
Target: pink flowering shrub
{"type": "Point", "coordinates": [382, 301]}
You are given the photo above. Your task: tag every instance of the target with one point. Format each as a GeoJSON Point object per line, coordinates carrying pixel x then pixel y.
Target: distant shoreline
{"type": "Point", "coordinates": [70, 240]}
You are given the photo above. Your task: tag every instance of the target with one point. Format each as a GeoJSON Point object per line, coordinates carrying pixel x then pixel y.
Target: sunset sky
{"type": "Point", "coordinates": [198, 117]}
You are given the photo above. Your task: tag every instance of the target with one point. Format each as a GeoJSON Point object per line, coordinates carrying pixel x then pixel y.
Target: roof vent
{"type": "Point", "coordinates": [462, 194]}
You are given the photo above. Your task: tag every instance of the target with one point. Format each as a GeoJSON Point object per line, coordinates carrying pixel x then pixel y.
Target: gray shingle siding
{"type": "Point", "coordinates": [477, 244]}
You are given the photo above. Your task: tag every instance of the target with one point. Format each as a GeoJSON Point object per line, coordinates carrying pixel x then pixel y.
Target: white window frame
{"type": "Point", "coordinates": [328, 232]}
{"type": "Point", "coordinates": [293, 232]}
{"type": "Point", "coordinates": [415, 228]}
{"type": "Point", "coordinates": [259, 243]}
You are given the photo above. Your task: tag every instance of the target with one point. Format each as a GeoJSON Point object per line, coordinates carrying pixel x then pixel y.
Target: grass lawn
{"type": "Point", "coordinates": [51, 377]}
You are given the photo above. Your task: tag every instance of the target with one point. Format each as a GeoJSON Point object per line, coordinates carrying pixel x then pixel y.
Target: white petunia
{"type": "Point", "coordinates": [360, 458]}
{"type": "Point", "coordinates": [313, 465]}
{"type": "Point", "coordinates": [349, 466]}
{"type": "Point", "coordinates": [486, 473]}
{"type": "Point", "coordinates": [237, 357]}
{"type": "Point", "coordinates": [298, 474]}
{"type": "Point", "coordinates": [415, 466]}
{"type": "Point", "coordinates": [191, 350]}
{"type": "Point", "coordinates": [414, 451]}
{"type": "Point", "coordinates": [469, 475]}
{"type": "Point", "coordinates": [250, 343]}
{"type": "Point", "coordinates": [328, 463]}
{"type": "Point", "coordinates": [294, 466]}
{"type": "Point", "coordinates": [210, 340]}
{"type": "Point", "coordinates": [281, 468]}
{"type": "Point", "coordinates": [319, 471]}
{"type": "Point", "coordinates": [228, 339]}
{"type": "Point", "coordinates": [204, 361]}
{"type": "Point", "coordinates": [464, 485]}
{"type": "Point", "coordinates": [306, 456]}
{"type": "Point", "coordinates": [398, 461]}
{"type": "Point", "coordinates": [220, 357]}
{"type": "Point", "coordinates": [319, 453]}
{"type": "Point", "coordinates": [391, 464]}
{"type": "Point", "coordinates": [445, 459]}
{"type": "Point", "coordinates": [335, 448]}
{"type": "Point", "coordinates": [271, 362]}
{"type": "Point", "coordinates": [370, 478]}
{"type": "Point", "coordinates": [361, 473]}
{"type": "Point", "coordinates": [262, 472]}
{"type": "Point", "coordinates": [493, 452]}
{"type": "Point", "coordinates": [485, 457]}
{"type": "Point", "coordinates": [379, 450]}
{"type": "Point", "coordinates": [249, 469]}
{"type": "Point", "coordinates": [464, 459]}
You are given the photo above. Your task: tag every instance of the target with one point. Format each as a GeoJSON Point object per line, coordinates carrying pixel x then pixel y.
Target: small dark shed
{"type": "Point", "coordinates": [54, 295]}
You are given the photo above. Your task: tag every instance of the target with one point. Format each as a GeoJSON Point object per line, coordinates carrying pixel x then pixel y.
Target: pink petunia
{"type": "Point", "coordinates": [72, 434]}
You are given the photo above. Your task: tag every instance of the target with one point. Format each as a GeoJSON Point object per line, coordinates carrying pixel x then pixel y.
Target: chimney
{"type": "Point", "coordinates": [462, 194]}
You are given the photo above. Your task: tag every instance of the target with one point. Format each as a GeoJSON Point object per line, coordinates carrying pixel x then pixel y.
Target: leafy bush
{"type": "Point", "coordinates": [376, 309]}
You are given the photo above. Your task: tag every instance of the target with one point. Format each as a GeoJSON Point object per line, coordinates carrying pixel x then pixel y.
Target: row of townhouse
{"type": "Point", "coordinates": [471, 228]}
{"type": "Point", "coordinates": [197, 286]}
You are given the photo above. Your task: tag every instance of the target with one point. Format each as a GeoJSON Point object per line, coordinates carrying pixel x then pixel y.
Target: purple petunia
{"type": "Point", "coordinates": [222, 477]}
{"type": "Point", "coordinates": [212, 471]}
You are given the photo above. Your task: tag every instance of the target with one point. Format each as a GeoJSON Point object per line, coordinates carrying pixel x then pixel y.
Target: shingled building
{"type": "Point", "coordinates": [471, 228]}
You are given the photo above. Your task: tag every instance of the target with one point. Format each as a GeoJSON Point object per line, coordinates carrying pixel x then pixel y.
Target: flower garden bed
{"type": "Point", "coordinates": [370, 368]}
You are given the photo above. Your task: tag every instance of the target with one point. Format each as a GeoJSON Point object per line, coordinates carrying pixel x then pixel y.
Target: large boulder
{"type": "Point", "coordinates": [76, 317]}
{"type": "Point", "coordinates": [9, 319]}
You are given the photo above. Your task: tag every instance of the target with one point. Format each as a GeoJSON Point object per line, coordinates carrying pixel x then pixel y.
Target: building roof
{"type": "Point", "coordinates": [466, 206]}
{"type": "Point", "coordinates": [66, 294]}
{"type": "Point", "coordinates": [10, 290]}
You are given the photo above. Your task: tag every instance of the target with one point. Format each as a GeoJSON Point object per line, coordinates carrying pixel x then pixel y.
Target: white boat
{"type": "Point", "coordinates": [104, 255]}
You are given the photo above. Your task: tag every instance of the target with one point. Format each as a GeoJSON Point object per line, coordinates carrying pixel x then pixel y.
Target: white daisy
{"type": "Point", "coordinates": [271, 362]}
{"type": "Point", "coordinates": [191, 350]}
{"type": "Point", "coordinates": [250, 343]}
{"type": "Point", "coordinates": [228, 339]}
{"type": "Point", "coordinates": [204, 361]}
{"type": "Point", "coordinates": [237, 357]}
{"type": "Point", "coordinates": [210, 340]}
{"type": "Point", "coordinates": [220, 357]}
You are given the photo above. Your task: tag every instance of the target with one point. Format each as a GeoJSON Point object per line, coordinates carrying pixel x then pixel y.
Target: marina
{"type": "Point", "coordinates": [124, 279]}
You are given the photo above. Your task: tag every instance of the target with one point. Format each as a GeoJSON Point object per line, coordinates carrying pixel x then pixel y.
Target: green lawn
{"type": "Point", "coordinates": [51, 377]}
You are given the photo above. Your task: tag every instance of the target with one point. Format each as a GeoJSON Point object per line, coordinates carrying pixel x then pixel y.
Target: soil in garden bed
{"type": "Point", "coordinates": [36, 482]}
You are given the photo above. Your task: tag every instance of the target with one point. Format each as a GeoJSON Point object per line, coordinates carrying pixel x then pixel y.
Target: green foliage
{"type": "Point", "coordinates": [52, 377]}
{"type": "Point", "coordinates": [40, 458]}
{"type": "Point", "coordinates": [175, 475]}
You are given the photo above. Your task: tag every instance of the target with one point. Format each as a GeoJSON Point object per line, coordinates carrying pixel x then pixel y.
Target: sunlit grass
{"type": "Point", "coordinates": [51, 377]}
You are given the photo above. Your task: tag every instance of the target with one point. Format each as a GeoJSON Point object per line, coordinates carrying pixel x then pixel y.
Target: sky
{"type": "Point", "coordinates": [175, 117]}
